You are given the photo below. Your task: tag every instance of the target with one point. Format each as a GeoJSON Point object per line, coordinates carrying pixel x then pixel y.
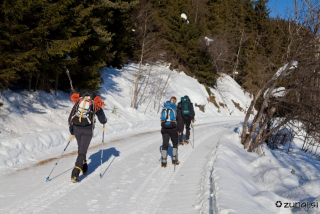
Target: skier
{"type": "Point", "coordinates": [169, 130]}
{"type": "Point", "coordinates": [185, 109]}
{"type": "Point", "coordinates": [81, 124]}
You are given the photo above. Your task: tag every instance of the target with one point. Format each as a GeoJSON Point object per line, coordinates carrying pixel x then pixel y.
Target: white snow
{"type": "Point", "coordinates": [208, 40]}
{"type": "Point", "coordinates": [184, 16]}
{"type": "Point", "coordinates": [216, 175]}
{"type": "Point", "coordinates": [280, 70]}
{"type": "Point", "coordinates": [277, 92]}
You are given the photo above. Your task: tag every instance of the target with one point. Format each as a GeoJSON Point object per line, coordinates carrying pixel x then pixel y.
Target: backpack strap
{"type": "Point", "coordinates": [74, 109]}
{"type": "Point", "coordinates": [84, 104]}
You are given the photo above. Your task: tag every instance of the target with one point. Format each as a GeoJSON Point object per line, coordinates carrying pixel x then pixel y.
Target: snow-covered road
{"type": "Point", "coordinates": [132, 182]}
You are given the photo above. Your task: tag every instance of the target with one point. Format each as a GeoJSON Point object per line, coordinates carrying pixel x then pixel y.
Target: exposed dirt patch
{"type": "Point", "coordinates": [201, 107]}
{"type": "Point", "coordinates": [222, 104]}
{"type": "Point", "coordinates": [213, 100]}
{"type": "Point", "coordinates": [237, 105]}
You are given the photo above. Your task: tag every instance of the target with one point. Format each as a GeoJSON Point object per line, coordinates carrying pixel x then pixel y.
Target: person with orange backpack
{"type": "Point", "coordinates": [81, 124]}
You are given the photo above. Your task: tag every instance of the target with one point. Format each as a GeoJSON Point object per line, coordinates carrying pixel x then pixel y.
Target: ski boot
{"type": "Point", "coordinates": [175, 160]}
{"type": "Point", "coordinates": [75, 179]}
{"type": "Point", "coordinates": [164, 158]}
{"type": "Point", "coordinates": [163, 164]}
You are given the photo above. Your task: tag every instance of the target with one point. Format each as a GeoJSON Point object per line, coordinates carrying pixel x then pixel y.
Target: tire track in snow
{"type": "Point", "coordinates": [48, 195]}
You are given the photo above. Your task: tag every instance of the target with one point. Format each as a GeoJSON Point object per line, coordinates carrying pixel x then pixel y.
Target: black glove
{"type": "Point", "coordinates": [71, 129]}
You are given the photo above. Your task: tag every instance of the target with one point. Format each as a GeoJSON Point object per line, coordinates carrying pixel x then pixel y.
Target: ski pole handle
{"type": "Point", "coordinates": [71, 138]}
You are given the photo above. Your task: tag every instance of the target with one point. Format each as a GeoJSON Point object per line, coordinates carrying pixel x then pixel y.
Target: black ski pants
{"type": "Point", "coordinates": [83, 137]}
{"type": "Point", "coordinates": [166, 135]}
{"type": "Point", "coordinates": [186, 122]}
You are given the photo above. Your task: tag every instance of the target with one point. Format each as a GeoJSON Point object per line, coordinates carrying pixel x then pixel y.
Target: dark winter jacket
{"type": "Point", "coordinates": [100, 115]}
{"type": "Point", "coordinates": [184, 119]}
{"type": "Point", "coordinates": [180, 121]}
{"type": "Point", "coordinates": [192, 114]}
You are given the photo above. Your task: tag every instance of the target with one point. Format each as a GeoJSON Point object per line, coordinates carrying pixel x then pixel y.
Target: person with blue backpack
{"type": "Point", "coordinates": [185, 109]}
{"type": "Point", "coordinates": [169, 120]}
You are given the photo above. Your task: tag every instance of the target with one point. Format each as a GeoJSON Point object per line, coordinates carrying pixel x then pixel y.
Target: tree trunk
{"type": "Point", "coordinates": [147, 83]}
{"type": "Point", "coordinates": [258, 139]}
{"type": "Point", "coordinates": [37, 81]}
{"type": "Point", "coordinates": [56, 86]}
{"type": "Point", "coordinates": [30, 81]}
{"type": "Point", "coordinates": [135, 93]}
{"type": "Point", "coordinates": [246, 138]}
{"type": "Point", "coordinates": [68, 73]}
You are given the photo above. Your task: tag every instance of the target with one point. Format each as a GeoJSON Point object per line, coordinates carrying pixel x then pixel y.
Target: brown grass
{"type": "Point", "coordinates": [213, 100]}
{"type": "Point", "coordinates": [222, 104]}
{"type": "Point", "coordinates": [201, 107]}
{"type": "Point", "coordinates": [237, 105]}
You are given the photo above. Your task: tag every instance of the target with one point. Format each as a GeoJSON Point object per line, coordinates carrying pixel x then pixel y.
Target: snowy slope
{"type": "Point", "coordinates": [34, 125]}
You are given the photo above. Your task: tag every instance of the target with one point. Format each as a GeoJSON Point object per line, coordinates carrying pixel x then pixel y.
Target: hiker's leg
{"type": "Point", "coordinates": [174, 139]}
{"type": "Point", "coordinates": [188, 122]}
{"type": "Point", "coordinates": [83, 137]}
{"type": "Point", "coordinates": [165, 145]}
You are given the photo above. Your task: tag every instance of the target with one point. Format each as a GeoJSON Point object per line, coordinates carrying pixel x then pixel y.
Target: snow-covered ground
{"type": "Point", "coordinates": [216, 174]}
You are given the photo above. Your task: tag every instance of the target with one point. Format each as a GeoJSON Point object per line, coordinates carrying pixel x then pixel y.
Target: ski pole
{"type": "Point", "coordinates": [60, 157]}
{"type": "Point", "coordinates": [102, 151]}
{"type": "Point", "coordinates": [192, 125]}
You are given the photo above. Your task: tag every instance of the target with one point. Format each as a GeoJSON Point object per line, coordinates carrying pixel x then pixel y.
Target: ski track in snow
{"type": "Point", "coordinates": [150, 201]}
{"type": "Point", "coordinates": [150, 192]}
{"type": "Point", "coordinates": [208, 180]}
{"type": "Point", "coordinates": [51, 194]}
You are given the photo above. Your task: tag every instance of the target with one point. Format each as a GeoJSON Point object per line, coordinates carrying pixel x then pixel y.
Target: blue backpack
{"type": "Point", "coordinates": [168, 115]}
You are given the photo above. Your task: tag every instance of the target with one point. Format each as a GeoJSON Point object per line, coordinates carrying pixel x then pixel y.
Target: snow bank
{"type": "Point", "coordinates": [258, 182]}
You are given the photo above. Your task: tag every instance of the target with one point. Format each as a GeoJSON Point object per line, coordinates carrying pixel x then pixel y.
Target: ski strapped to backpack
{"type": "Point", "coordinates": [168, 115]}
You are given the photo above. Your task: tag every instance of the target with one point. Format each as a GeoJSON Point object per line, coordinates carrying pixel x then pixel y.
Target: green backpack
{"type": "Point", "coordinates": [185, 106]}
